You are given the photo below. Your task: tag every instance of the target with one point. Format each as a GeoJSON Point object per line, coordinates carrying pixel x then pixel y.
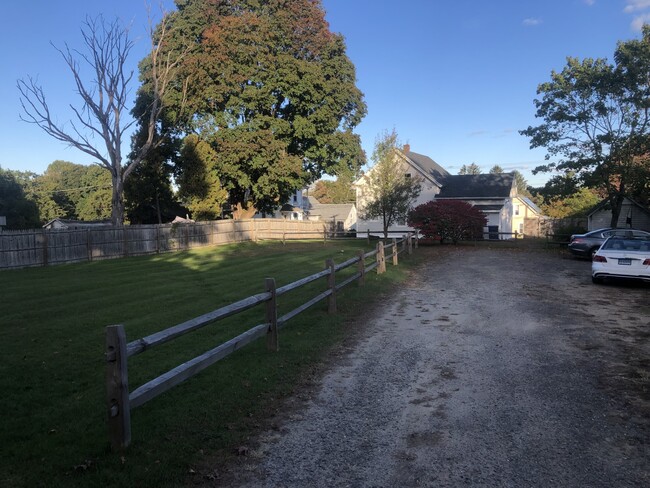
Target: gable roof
{"type": "Point", "coordinates": [330, 211]}
{"type": "Point", "coordinates": [477, 186]}
{"type": "Point", "coordinates": [76, 224]}
{"type": "Point", "coordinates": [426, 165]}
{"type": "Point", "coordinates": [531, 204]}
{"type": "Point", "coordinates": [604, 205]}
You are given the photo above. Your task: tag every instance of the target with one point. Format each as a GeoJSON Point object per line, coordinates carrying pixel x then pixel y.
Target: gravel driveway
{"type": "Point", "coordinates": [492, 367]}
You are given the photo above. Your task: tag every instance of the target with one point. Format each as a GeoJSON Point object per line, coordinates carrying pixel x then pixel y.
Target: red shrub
{"type": "Point", "coordinates": [452, 220]}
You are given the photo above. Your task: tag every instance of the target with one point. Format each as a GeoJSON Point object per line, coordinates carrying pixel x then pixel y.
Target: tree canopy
{"type": "Point", "coordinates": [388, 192]}
{"type": "Point", "coordinates": [596, 122]}
{"type": "Point", "coordinates": [20, 211]}
{"type": "Point", "coordinates": [271, 101]}
{"type": "Point", "coordinates": [337, 191]}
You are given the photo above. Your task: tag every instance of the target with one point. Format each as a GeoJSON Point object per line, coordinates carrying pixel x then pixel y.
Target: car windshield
{"type": "Point", "coordinates": [627, 245]}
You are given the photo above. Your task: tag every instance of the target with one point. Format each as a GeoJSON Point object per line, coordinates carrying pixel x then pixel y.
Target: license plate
{"type": "Point", "coordinates": [625, 261]}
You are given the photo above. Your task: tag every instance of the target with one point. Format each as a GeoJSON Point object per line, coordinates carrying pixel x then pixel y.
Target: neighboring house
{"type": "Point", "coordinates": [413, 165]}
{"type": "Point", "coordinates": [633, 215]}
{"type": "Point", "coordinates": [342, 217]}
{"type": "Point", "coordinates": [291, 210]}
{"type": "Point", "coordinates": [495, 194]}
{"type": "Point", "coordinates": [68, 224]}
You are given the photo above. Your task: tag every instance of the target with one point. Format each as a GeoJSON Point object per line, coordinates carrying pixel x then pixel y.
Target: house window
{"type": "Point", "coordinates": [521, 228]}
{"type": "Point", "coordinates": [516, 209]}
{"type": "Point", "coordinates": [295, 198]}
{"type": "Point", "coordinates": [407, 175]}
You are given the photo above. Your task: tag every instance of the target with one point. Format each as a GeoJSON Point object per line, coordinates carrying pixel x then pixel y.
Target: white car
{"type": "Point", "coordinates": [621, 257]}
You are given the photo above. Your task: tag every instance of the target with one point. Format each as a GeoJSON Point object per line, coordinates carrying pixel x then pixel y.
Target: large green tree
{"type": "Point", "coordinates": [596, 122]}
{"type": "Point", "coordinates": [271, 92]}
{"type": "Point", "coordinates": [72, 191]}
{"type": "Point", "coordinates": [388, 193]}
{"type": "Point", "coordinates": [19, 211]}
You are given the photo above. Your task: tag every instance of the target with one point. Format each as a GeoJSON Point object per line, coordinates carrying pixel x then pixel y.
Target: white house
{"type": "Point", "coordinates": [495, 194]}
{"type": "Point", "coordinates": [342, 217]}
{"type": "Point", "coordinates": [413, 165]}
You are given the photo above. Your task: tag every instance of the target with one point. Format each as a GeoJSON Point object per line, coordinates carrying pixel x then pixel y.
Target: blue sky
{"type": "Point", "coordinates": [456, 79]}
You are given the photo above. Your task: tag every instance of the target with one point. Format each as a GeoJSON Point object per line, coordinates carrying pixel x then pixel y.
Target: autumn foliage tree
{"type": "Point", "coordinates": [448, 220]}
{"type": "Point", "coordinates": [272, 101]}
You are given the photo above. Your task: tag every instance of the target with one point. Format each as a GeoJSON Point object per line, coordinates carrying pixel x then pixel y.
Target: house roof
{"type": "Point", "coordinates": [78, 223]}
{"type": "Point", "coordinates": [477, 186]}
{"type": "Point", "coordinates": [604, 205]}
{"type": "Point", "coordinates": [287, 207]}
{"type": "Point", "coordinates": [531, 204]}
{"type": "Point", "coordinates": [427, 165]}
{"type": "Point", "coordinates": [330, 211]}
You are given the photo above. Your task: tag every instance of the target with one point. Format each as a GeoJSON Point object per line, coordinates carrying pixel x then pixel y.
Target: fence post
{"type": "Point", "coordinates": [394, 251]}
{"type": "Point", "coordinates": [368, 238]}
{"type": "Point", "coordinates": [410, 243]}
{"type": "Point", "coordinates": [272, 339]}
{"type": "Point", "coordinates": [381, 258]}
{"type": "Point", "coordinates": [417, 240]}
{"type": "Point", "coordinates": [117, 388]}
{"type": "Point", "coordinates": [331, 284]}
{"type": "Point", "coordinates": [362, 268]}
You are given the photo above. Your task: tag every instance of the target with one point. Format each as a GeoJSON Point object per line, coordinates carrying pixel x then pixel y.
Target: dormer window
{"type": "Point", "coordinates": [407, 175]}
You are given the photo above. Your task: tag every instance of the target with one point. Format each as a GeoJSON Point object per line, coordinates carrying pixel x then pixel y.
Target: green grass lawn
{"type": "Point", "coordinates": [54, 430]}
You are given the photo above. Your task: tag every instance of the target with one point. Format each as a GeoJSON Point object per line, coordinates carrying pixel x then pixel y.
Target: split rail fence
{"type": "Point", "coordinates": [120, 401]}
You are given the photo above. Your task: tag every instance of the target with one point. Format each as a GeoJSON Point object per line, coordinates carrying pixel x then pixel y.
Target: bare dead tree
{"type": "Point", "coordinates": [101, 118]}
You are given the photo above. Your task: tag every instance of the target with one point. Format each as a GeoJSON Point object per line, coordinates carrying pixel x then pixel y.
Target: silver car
{"type": "Point", "coordinates": [586, 245]}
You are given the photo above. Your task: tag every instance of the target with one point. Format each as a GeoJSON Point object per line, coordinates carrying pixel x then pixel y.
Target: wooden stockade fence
{"type": "Point", "coordinates": [43, 247]}
{"type": "Point", "coordinates": [120, 402]}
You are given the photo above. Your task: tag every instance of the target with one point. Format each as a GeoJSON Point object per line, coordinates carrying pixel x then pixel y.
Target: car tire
{"type": "Point", "coordinates": [597, 281]}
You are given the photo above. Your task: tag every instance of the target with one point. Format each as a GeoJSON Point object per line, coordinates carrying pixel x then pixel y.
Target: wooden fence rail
{"type": "Point", "coordinates": [120, 402]}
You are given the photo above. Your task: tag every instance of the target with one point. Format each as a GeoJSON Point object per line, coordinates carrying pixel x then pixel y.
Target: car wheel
{"type": "Point", "coordinates": [597, 281]}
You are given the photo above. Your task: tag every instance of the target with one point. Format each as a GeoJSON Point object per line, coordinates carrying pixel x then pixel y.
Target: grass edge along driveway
{"type": "Point", "coordinates": [52, 336]}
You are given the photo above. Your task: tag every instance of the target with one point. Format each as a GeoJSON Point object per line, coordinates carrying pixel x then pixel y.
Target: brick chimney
{"type": "Point", "coordinates": [406, 149]}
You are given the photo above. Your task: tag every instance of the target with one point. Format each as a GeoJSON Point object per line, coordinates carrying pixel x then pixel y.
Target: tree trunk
{"type": "Point", "coordinates": [117, 202]}
{"type": "Point", "coordinates": [158, 208]}
{"type": "Point", "coordinates": [242, 212]}
{"type": "Point", "coordinates": [617, 205]}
